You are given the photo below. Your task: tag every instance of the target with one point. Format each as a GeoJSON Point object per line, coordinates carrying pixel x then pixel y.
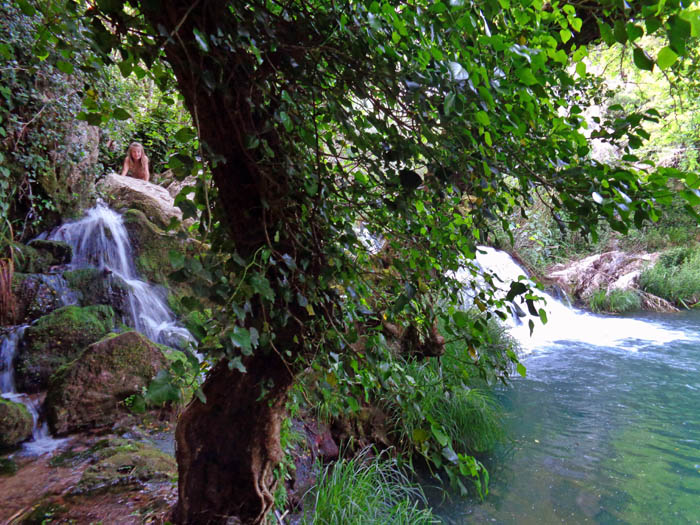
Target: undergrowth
{"type": "Point", "coordinates": [367, 490]}
{"type": "Point", "coordinates": [675, 276]}
{"type": "Point", "coordinates": [615, 301]}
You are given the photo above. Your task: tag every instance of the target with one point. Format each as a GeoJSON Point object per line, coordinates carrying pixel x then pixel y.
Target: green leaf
{"type": "Point", "coordinates": [606, 33]}
{"type": "Point", "coordinates": [120, 114]}
{"type": "Point", "coordinates": [634, 32]}
{"type": "Point", "coordinates": [666, 58]}
{"type": "Point", "coordinates": [420, 435]}
{"type": "Point", "coordinates": [240, 337]}
{"type": "Point", "coordinates": [262, 286]}
{"type": "Point", "coordinates": [286, 121]}
{"type": "Point", "coordinates": [237, 363]}
{"type": "Point", "coordinates": [440, 435]}
{"type": "Point", "coordinates": [161, 390]}
{"type": "Point", "coordinates": [641, 60]}
{"type": "Point", "coordinates": [521, 369]}
{"type": "Point", "coordinates": [449, 103]}
{"type": "Point", "coordinates": [581, 69]}
{"type": "Point", "coordinates": [482, 118]}
{"type": "Point", "coordinates": [461, 319]}
{"type": "Point", "coordinates": [678, 33]}
{"type": "Point", "coordinates": [184, 135]}
{"type": "Point", "coordinates": [516, 288]}
{"type": "Point", "coordinates": [66, 67]}
{"type": "Point", "coordinates": [565, 35]}
{"type": "Point", "coordinates": [26, 7]}
{"type": "Point", "coordinates": [409, 179]}
{"type": "Point", "coordinates": [620, 32]}
{"type": "Point", "coordinates": [201, 40]}
{"type": "Point", "coordinates": [526, 77]}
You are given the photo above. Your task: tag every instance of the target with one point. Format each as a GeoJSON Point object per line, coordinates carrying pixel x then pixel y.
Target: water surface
{"type": "Point", "coordinates": [605, 427]}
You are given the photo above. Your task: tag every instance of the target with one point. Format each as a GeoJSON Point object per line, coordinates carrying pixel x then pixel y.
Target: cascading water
{"type": "Point", "coordinates": [41, 437]}
{"type": "Point", "coordinates": [605, 426]}
{"type": "Point", "coordinates": [100, 240]}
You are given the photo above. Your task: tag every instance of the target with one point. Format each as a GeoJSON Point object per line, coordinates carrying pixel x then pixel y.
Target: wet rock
{"type": "Point", "coordinates": [123, 464]}
{"type": "Point", "coordinates": [58, 251]}
{"type": "Point", "coordinates": [94, 286]}
{"type": "Point", "coordinates": [39, 294]}
{"type": "Point", "coordinates": [89, 392]}
{"type": "Point", "coordinates": [15, 423]}
{"type": "Point", "coordinates": [56, 339]}
{"type": "Point", "coordinates": [154, 201]}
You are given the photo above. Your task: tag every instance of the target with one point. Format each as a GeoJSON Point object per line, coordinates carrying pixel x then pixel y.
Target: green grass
{"type": "Point", "coordinates": [615, 301]}
{"type": "Point", "coordinates": [367, 490]}
{"type": "Point", "coordinates": [675, 276]}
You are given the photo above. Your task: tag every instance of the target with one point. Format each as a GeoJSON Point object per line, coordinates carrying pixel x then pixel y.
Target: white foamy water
{"type": "Point", "coordinates": [567, 324]}
{"type": "Point", "coordinates": [100, 240]}
{"type": "Point", "coordinates": [41, 442]}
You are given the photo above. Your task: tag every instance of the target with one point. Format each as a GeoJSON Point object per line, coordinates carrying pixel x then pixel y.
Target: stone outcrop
{"type": "Point", "coordinates": [154, 201]}
{"type": "Point", "coordinates": [614, 270]}
{"type": "Point", "coordinates": [15, 423]}
{"type": "Point", "coordinates": [57, 339]}
{"type": "Point", "coordinates": [93, 286]}
{"type": "Point", "coordinates": [89, 392]}
{"type": "Point", "coordinates": [39, 256]}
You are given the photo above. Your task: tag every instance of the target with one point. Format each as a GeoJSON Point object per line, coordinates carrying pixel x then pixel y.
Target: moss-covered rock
{"type": "Point", "coordinates": [40, 255]}
{"type": "Point", "coordinates": [89, 392]}
{"type": "Point", "coordinates": [15, 423]}
{"type": "Point", "coordinates": [36, 295]}
{"type": "Point", "coordinates": [123, 464]}
{"type": "Point", "coordinates": [96, 287]}
{"type": "Point", "coordinates": [57, 339]}
{"type": "Point", "coordinates": [152, 246]}
{"type": "Point", "coordinates": [8, 467]}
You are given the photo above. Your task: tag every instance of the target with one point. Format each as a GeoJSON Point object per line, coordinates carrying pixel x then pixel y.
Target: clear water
{"type": "Point", "coordinates": [605, 427]}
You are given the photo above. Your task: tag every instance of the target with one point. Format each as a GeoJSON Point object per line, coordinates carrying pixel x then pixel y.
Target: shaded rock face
{"type": "Point", "coordinates": [57, 339]}
{"type": "Point", "coordinates": [15, 423]}
{"type": "Point", "coordinates": [154, 201]}
{"type": "Point", "coordinates": [39, 256]}
{"type": "Point", "coordinates": [89, 391]}
{"type": "Point", "coordinates": [39, 294]}
{"type": "Point", "coordinates": [151, 246]}
{"type": "Point", "coordinates": [94, 286]}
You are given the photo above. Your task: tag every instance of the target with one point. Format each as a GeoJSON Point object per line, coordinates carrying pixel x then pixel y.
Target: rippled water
{"type": "Point", "coordinates": [605, 429]}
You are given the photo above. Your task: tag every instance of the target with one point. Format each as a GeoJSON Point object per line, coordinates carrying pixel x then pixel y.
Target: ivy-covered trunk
{"type": "Point", "coordinates": [228, 447]}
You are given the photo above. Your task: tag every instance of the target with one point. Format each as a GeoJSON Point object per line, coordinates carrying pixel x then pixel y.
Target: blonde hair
{"type": "Point", "coordinates": [139, 164]}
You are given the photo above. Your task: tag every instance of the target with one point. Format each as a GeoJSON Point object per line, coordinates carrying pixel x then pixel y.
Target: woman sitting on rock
{"type": "Point", "coordinates": [136, 162]}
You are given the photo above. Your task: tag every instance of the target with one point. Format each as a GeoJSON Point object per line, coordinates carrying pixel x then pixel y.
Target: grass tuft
{"type": "Point", "coordinates": [615, 301]}
{"type": "Point", "coordinates": [675, 276]}
{"type": "Point", "coordinates": [367, 490]}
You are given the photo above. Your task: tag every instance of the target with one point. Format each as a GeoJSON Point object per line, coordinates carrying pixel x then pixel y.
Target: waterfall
{"type": "Point", "coordinates": [42, 441]}
{"type": "Point", "coordinates": [566, 323]}
{"type": "Point", "coordinates": [100, 240]}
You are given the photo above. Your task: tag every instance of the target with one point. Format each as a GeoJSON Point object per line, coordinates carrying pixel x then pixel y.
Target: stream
{"type": "Point", "coordinates": [605, 427]}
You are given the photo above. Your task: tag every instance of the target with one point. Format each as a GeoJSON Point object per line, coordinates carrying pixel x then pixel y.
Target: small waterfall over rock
{"type": "Point", "coordinates": [42, 441]}
{"type": "Point", "coordinates": [100, 240]}
{"type": "Point", "coordinates": [565, 323]}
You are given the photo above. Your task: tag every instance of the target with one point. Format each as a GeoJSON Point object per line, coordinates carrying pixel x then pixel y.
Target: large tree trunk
{"type": "Point", "coordinates": [227, 447]}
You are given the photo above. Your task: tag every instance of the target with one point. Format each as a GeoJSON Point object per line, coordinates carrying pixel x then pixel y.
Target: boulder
{"type": "Point", "coordinates": [57, 339]}
{"type": "Point", "coordinates": [608, 271]}
{"type": "Point", "coordinates": [154, 201]}
{"type": "Point", "coordinates": [89, 392]}
{"type": "Point", "coordinates": [124, 465]}
{"type": "Point", "coordinates": [15, 423]}
{"type": "Point", "coordinates": [39, 294]}
{"type": "Point", "coordinates": [94, 286]}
